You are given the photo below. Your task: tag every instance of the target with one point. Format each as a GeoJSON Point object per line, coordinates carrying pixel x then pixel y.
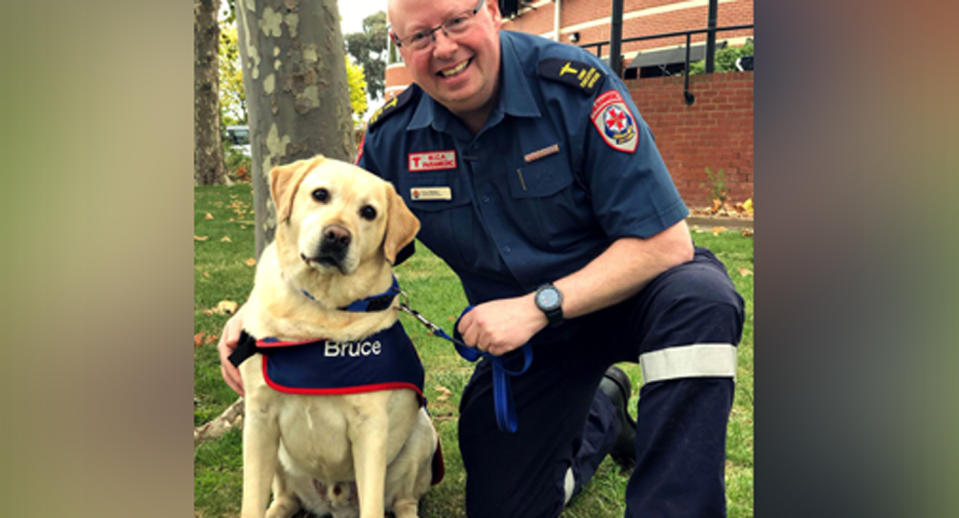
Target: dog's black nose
{"type": "Point", "coordinates": [336, 237]}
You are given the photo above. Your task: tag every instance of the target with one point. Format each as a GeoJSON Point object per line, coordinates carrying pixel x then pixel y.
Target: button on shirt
{"type": "Point", "coordinates": [538, 192]}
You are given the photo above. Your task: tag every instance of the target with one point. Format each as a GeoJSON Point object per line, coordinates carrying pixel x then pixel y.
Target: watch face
{"type": "Point", "coordinates": [548, 298]}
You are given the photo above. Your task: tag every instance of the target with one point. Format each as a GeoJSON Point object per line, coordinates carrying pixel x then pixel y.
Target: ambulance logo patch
{"type": "Point", "coordinates": [432, 160]}
{"type": "Point", "coordinates": [614, 122]}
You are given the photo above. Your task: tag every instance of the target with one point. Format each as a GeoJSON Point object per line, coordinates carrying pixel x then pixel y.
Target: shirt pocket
{"type": "Point", "coordinates": [539, 179]}
{"type": "Point", "coordinates": [553, 210]}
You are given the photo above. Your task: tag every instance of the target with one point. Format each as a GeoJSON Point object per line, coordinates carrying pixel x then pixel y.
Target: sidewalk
{"type": "Point", "coordinates": [719, 221]}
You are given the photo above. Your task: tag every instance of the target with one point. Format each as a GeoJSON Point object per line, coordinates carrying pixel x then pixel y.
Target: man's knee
{"type": "Point", "coordinates": [703, 280]}
{"type": "Point", "coordinates": [691, 321]}
{"type": "Point", "coordinates": [693, 303]}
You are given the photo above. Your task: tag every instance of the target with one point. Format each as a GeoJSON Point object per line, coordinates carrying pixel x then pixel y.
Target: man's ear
{"type": "Point", "coordinates": [401, 225]}
{"type": "Point", "coordinates": [494, 12]}
{"type": "Point", "coordinates": [284, 181]}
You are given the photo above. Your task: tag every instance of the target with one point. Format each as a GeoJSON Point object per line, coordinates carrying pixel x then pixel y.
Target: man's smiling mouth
{"type": "Point", "coordinates": [455, 70]}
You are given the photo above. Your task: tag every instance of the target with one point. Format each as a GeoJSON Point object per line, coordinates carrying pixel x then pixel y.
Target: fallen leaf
{"type": "Point", "coordinates": [250, 262]}
{"type": "Point", "coordinates": [211, 339]}
{"type": "Point", "coordinates": [444, 393]}
{"type": "Point", "coordinates": [206, 274]}
{"type": "Point", "coordinates": [748, 232]}
{"type": "Point", "coordinates": [745, 272]}
{"type": "Point", "coordinates": [208, 312]}
{"type": "Point", "coordinates": [225, 307]}
{"type": "Point", "coordinates": [717, 230]}
{"type": "Point", "coordinates": [226, 239]}
{"type": "Point", "coordinates": [717, 204]}
{"type": "Point", "coordinates": [200, 238]}
{"type": "Point", "coordinates": [208, 216]}
{"type": "Point", "coordinates": [198, 339]}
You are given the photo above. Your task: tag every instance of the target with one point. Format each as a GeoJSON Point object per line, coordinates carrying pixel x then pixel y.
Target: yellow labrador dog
{"type": "Point", "coordinates": [331, 450]}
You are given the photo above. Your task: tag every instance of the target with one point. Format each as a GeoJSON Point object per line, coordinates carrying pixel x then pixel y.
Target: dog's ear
{"type": "Point", "coordinates": [401, 225]}
{"type": "Point", "coordinates": [284, 181]}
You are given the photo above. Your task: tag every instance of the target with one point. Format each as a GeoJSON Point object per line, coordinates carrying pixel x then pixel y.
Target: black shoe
{"type": "Point", "coordinates": [616, 386]}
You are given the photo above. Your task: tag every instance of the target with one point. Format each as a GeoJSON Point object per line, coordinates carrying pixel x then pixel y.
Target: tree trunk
{"type": "Point", "coordinates": [297, 94]}
{"type": "Point", "coordinates": [208, 167]}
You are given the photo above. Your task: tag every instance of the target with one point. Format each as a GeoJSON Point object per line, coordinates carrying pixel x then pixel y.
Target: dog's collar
{"type": "Point", "coordinates": [377, 302]}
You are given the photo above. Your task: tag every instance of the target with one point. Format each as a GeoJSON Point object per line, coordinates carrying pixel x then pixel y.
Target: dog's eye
{"type": "Point", "coordinates": [321, 195]}
{"type": "Point", "coordinates": [368, 212]}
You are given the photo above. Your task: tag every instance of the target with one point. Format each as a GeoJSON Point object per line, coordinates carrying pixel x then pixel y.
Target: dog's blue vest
{"type": "Point", "coordinates": [383, 361]}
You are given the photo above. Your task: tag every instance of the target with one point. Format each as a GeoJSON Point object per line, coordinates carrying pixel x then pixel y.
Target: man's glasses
{"type": "Point", "coordinates": [454, 26]}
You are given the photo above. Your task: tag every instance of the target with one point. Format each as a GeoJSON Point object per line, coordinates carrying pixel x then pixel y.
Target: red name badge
{"type": "Point", "coordinates": [432, 160]}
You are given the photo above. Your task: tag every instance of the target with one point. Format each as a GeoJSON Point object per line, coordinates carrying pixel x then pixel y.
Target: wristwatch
{"type": "Point", "coordinates": [550, 301]}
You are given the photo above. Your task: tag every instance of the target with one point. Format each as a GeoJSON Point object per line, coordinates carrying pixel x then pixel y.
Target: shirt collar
{"type": "Point", "coordinates": [519, 102]}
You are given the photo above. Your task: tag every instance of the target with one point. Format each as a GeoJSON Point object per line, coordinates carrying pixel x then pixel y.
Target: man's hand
{"type": "Point", "coordinates": [226, 346]}
{"type": "Point", "coordinates": [500, 326]}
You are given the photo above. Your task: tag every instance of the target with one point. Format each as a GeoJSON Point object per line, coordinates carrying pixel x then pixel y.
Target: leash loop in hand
{"type": "Point", "coordinates": [503, 405]}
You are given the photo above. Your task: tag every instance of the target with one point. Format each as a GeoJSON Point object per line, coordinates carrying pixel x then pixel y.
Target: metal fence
{"type": "Point", "coordinates": [689, 97]}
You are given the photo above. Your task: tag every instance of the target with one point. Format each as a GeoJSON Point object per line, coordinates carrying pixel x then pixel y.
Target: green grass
{"type": "Point", "coordinates": [221, 273]}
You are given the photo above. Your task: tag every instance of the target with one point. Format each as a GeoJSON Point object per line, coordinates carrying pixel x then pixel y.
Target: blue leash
{"type": "Point", "coordinates": [503, 405]}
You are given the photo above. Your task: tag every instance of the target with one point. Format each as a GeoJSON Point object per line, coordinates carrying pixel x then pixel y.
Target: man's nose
{"type": "Point", "coordinates": [443, 45]}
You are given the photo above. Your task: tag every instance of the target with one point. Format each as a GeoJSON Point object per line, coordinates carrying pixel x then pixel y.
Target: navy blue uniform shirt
{"type": "Point", "coordinates": [563, 167]}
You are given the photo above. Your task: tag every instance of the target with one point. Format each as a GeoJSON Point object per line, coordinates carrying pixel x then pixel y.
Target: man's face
{"type": "Point", "coordinates": [460, 71]}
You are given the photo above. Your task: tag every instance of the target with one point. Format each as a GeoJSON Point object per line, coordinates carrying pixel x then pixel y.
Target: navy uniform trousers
{"type": "Point", "coordinates": [566, 426]}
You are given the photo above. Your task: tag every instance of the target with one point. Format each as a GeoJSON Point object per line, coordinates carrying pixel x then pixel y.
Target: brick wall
{"type": "Point", "coordinates": [716, 131]}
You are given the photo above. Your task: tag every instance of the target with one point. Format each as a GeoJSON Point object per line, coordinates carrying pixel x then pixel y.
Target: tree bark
{"type": "Point", "coordinates": [297, 93]}
{"type": "Point", "coordinates": [208, 167]}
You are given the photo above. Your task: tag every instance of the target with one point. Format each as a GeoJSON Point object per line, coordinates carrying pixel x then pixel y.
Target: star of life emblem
{"type": "Point", "coordinates": [614, 122]}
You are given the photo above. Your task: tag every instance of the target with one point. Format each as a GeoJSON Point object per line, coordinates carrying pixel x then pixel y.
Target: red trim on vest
{"type": "Point", "coordinates": [357, 389]}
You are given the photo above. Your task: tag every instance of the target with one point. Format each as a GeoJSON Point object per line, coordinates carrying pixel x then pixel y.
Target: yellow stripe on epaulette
{"type": "Point", "coordinates": [391, 106]}
{"type": "Point", "coordinates": [573, 73]}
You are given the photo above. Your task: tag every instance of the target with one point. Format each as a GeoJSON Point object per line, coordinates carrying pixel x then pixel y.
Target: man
{"type": "Point", "coordinates": [536, 180]}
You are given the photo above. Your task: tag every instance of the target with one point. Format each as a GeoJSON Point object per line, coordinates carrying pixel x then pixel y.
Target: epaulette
{"type": "Point", "coordinates": [574, 73]}
{"type": "Point", "coordinates": [391, 106]}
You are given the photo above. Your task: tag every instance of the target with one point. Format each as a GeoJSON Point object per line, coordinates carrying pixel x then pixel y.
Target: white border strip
{"type": "Point", "coordinates": [689, 361]}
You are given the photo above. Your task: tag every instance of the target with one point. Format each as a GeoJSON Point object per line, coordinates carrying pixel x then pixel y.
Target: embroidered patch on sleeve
{"type": "Point", "coordinates": [390, 107]}
{"type": "Point", "coordinates": [573, 73]}
{"type": "Point", "coordinates": [614, 122]}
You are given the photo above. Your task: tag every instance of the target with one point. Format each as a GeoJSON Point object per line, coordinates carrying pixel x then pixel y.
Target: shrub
{"type": "Point", "coordinates": [725, 60]}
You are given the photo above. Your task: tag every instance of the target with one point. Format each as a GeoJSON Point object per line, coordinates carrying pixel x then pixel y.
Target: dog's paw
{"type": "Point", "coordinates": [283, 507]}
